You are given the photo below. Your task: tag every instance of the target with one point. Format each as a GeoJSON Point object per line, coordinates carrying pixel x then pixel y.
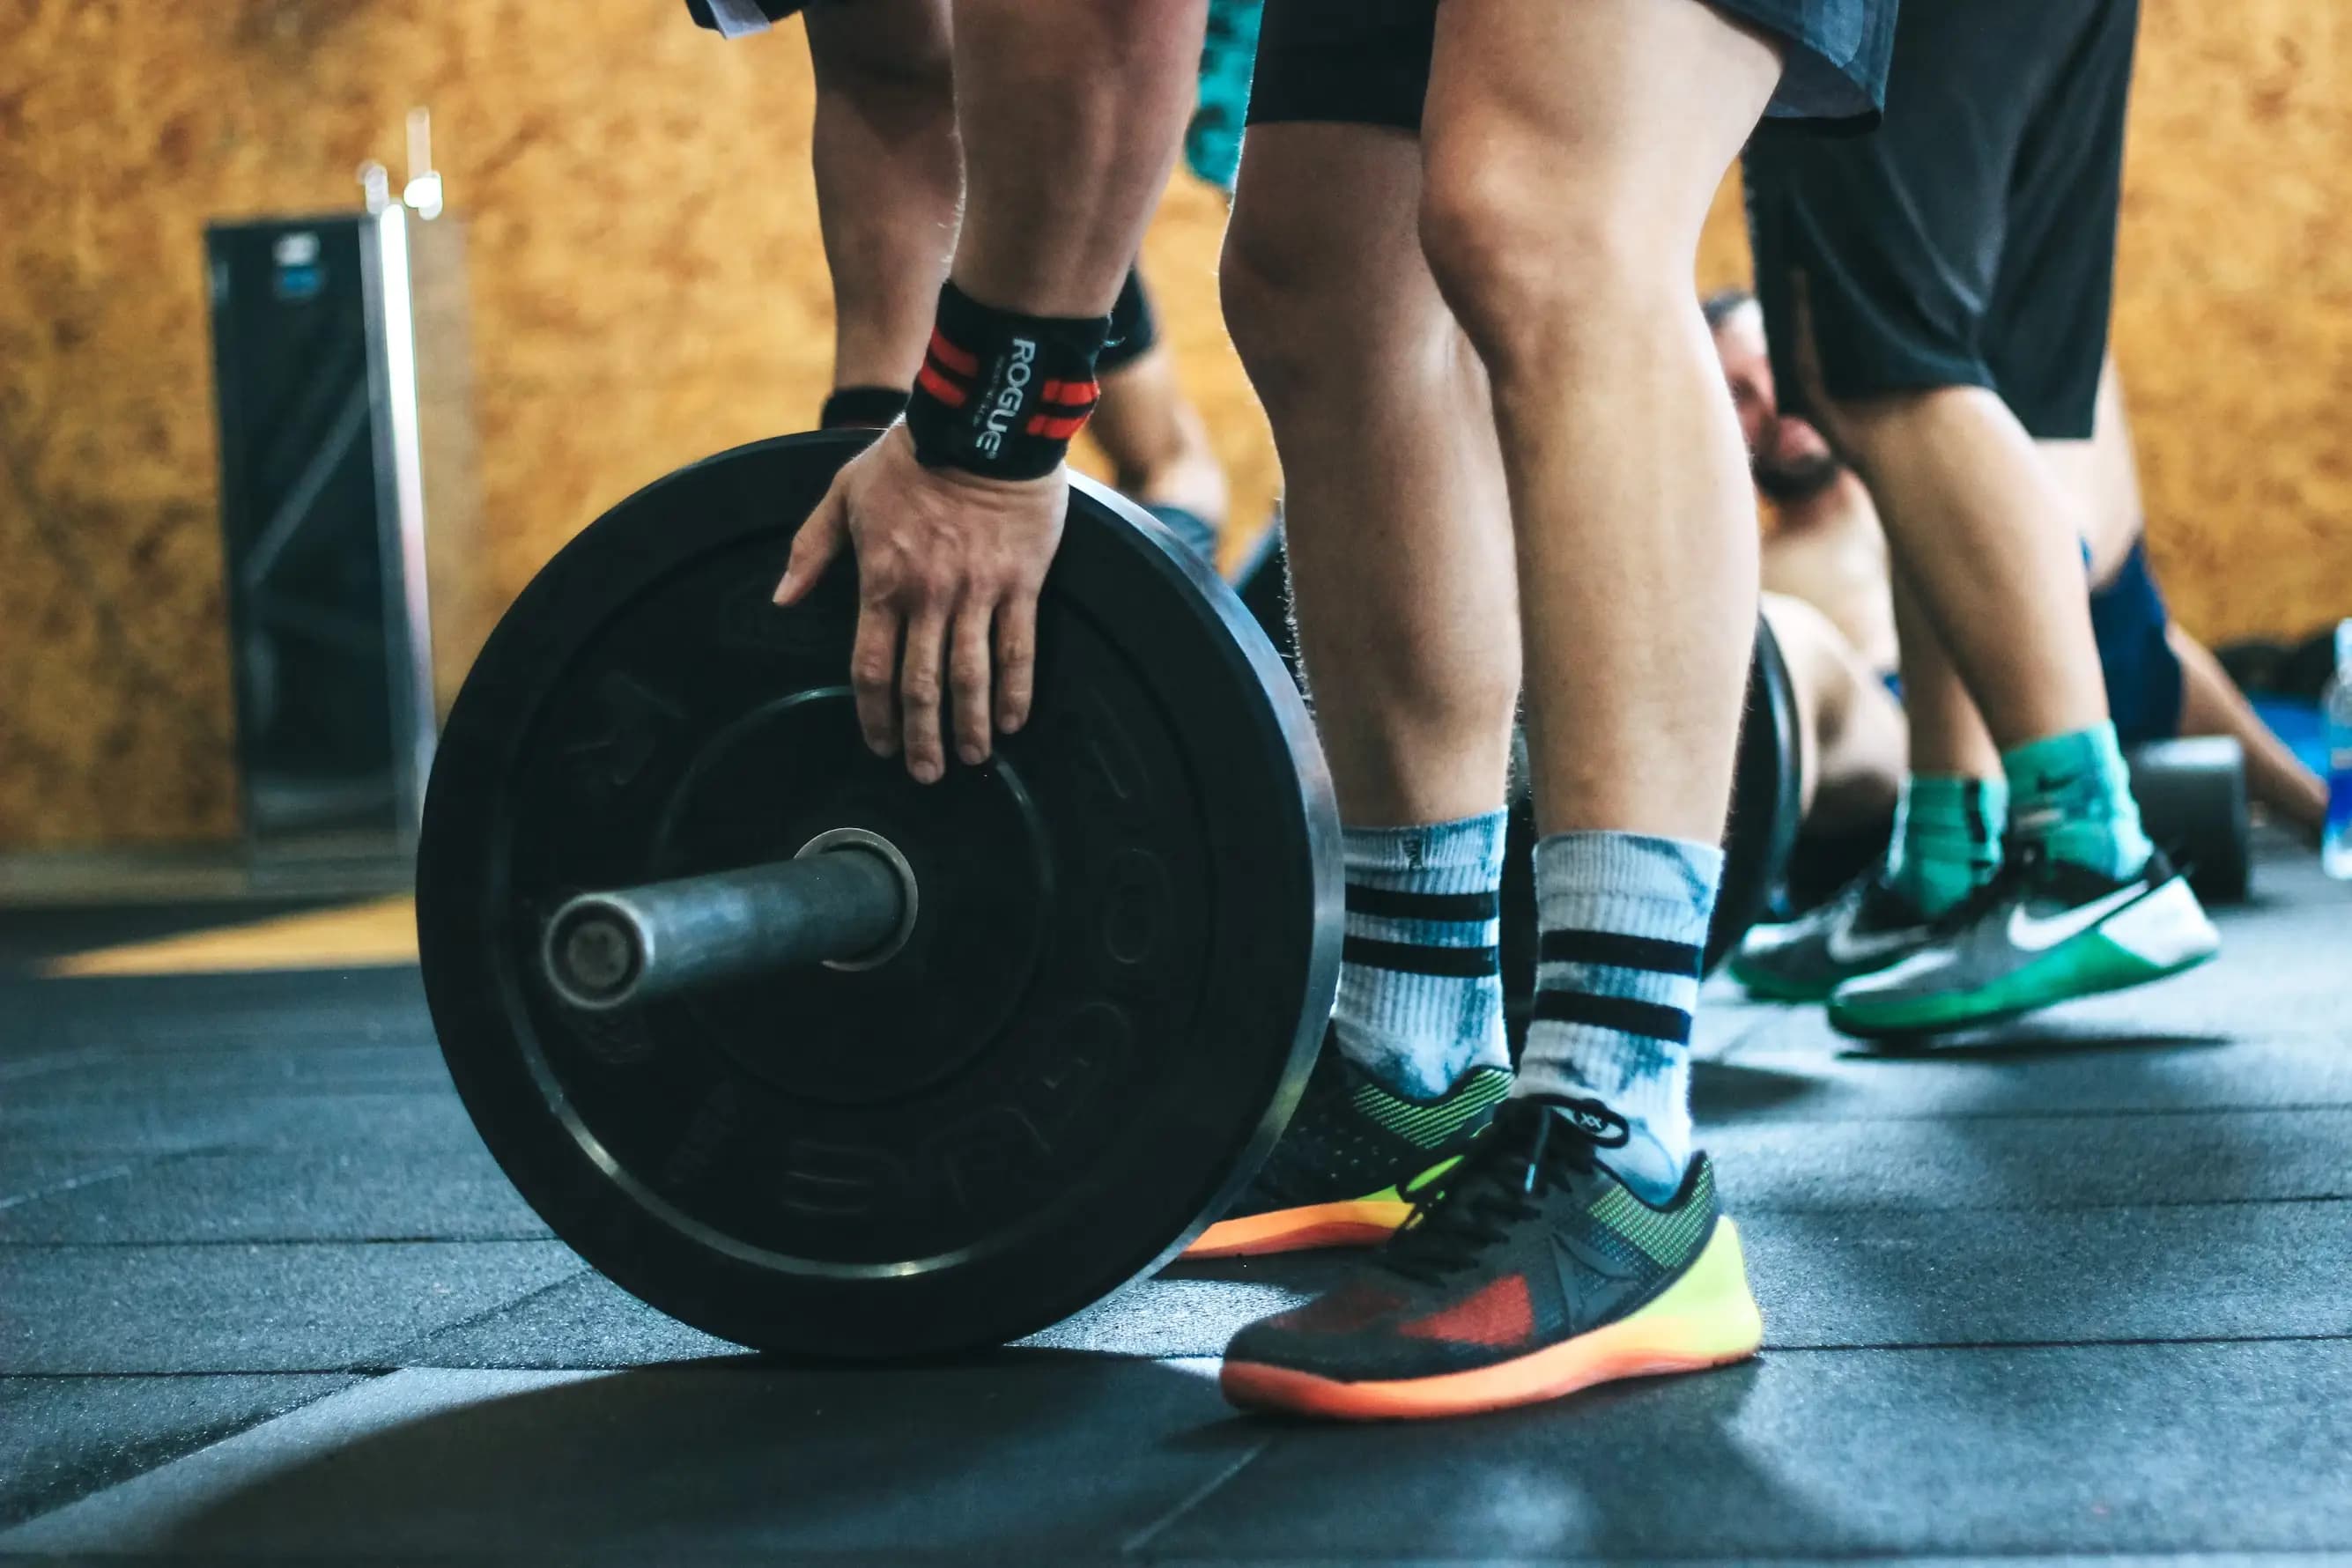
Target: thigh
{"type": "Point", "coordinates": [2046, 335]}
{"type": "Point", "coordinates": [1326, 209]}
{"type": "Point", "coordinates": [1639, 105]}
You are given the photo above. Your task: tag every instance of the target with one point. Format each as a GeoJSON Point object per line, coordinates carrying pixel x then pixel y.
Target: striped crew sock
{"type": "Point", "coordinates": [1420, 997]}
{"type": "Point", "coordinates": [1623, 922]}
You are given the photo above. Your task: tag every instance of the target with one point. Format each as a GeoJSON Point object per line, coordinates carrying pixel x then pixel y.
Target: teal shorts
{"type": "Point", "coordinates": [1213, 143]}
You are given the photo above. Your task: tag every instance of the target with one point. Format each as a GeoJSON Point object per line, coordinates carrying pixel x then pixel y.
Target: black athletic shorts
{"type": "Point", "coordinates": [1971, 241]}
{"type": "Point", "coordinates": [1366, 62]}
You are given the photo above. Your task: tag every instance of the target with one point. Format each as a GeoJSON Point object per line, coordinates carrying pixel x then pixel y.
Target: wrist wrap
{"type": "Point", "coordinates": [862, 408]}
{"type": "Point", "coordinates": [1001, 393]}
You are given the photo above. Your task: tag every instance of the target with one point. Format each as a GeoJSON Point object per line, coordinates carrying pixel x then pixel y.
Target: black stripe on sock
{"type": "Point", "coordinates": [1414, 958]}
{"type": "Point", "coordinates": [1653, 1020]}
{"type": "Point", "coordinates": [1619, 952]}
{"type": "Point", "coordinates": [1390, 903]}
{"type": "Point", "coordinates": [1972, 800]}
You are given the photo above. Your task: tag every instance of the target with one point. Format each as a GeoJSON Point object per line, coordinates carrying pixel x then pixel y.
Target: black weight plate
{"type": "Point", "coordinates": [2192, 803]}
{"type": "Point", "coordinates": [1126, 946]}
{"type": "Point", "coordinates": [1766, 796]}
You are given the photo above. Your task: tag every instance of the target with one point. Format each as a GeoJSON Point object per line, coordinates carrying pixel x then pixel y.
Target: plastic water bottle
{"type": "Point", "coordinates": [2335, 847]}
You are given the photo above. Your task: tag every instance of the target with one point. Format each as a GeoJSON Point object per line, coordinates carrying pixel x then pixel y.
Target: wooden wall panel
{"type": "Point", "coordinates": [2233, 320]}
{"type": "Point", "coordinates": [647, 287]}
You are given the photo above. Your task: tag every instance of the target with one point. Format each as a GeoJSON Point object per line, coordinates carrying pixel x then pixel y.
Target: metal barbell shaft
{"type": "Point", "coordinates": [632, 944]}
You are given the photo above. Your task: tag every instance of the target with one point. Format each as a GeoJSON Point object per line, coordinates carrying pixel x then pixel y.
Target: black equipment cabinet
{"type": "Point", "coordinates": [316, 364]}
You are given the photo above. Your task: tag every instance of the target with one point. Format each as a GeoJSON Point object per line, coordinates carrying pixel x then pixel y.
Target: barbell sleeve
{"type": "Point", "coordinates": [628, 945]}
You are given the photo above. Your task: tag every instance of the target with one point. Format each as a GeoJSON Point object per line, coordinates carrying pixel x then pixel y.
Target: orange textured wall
{"type": "Point", "coordinates": [648, 287]}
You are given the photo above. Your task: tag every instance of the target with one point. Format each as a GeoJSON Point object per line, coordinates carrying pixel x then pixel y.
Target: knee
{"type": "Point", "coordinates": [1330, 326]}
{"type": "Point", "coordinates": [1284, 323]}
{"type": "Point", "coordinates": [1535, 267]}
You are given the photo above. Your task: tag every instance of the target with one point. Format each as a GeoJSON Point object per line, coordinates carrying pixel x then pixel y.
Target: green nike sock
{"type": "Point", "coordinates": [1947, 841]}
{"type": "Point", "coordinates": [2071, 793]}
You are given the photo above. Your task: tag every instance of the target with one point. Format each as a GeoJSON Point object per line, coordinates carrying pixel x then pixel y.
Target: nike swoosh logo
{"type": "Point", "coordinates": [2032, 935]}
{"type": "Point", "coordinates": [1845, 947]}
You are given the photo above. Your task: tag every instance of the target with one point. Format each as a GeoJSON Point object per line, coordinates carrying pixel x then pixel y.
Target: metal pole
{"type": "Point", "coordinates": [848, 904]}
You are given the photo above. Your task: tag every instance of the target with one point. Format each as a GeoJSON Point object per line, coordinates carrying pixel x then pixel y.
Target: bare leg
{"type": "Point", "coordinates": [1399, 545]}
{"type": "Point", "coordinates": [1855, 748]}
{"type": "Point", "coordinates": [1988, 545]}
{"type": "Point", "coordinates": [1400, 561]}
{"type": "Point", "coordinates": [890, 179]}
{"type": "Point", "coordinates": [1571, 153]}
{"type": "Point", "coordinates": [2105, 478]}
{"type": "Point", "coordinates": [1948, 734]}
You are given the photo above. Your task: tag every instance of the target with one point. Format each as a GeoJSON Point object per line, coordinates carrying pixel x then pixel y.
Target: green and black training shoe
{"type": "Point", "coordinates": [1868, 927]}
{"type": "Point", "coordinates": [1352, 1162]}
{"type": "Point", "coordinates": [2045, 930]}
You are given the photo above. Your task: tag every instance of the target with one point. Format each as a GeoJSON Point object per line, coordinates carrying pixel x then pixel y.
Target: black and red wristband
{"type": "Point", "coordinates": [1001, 393]}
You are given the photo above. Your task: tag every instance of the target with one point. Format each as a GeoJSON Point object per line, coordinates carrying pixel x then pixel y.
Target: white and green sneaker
{"type": "Point", "coordinates": [2045, 930]}
{"type": "Point", "coordinates": [1868, 927]}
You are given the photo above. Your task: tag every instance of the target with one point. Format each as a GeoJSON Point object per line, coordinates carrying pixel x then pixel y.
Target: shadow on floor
{"type": "Point", "coordinates": [1023, 1457]}
{"type": "Point", "coordinates": [1033, 1452]}
{"type": "Point", "coordinates": [2025, 1042]}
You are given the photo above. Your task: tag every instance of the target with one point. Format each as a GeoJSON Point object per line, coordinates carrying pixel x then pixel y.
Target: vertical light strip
{"type": "Point", "coordinates": [398, 322]}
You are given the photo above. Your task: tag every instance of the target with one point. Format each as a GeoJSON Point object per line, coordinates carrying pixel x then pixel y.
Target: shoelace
{"type": "Point", "coordinates": [1526, 1150]}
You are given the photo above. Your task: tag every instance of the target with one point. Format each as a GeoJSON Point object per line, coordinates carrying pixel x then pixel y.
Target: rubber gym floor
{"type": "Point", "coordinates": [2078, 1287]}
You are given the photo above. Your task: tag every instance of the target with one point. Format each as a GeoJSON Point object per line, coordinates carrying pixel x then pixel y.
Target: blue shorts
{"type": "Point", "coordinates": [2143, 673]}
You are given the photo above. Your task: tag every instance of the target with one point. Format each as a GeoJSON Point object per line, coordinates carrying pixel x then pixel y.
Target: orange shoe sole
{"type": "Point", "coordinates": [1362, 1222]}
{"type": "Point", "coordinates": [1707, 1318]}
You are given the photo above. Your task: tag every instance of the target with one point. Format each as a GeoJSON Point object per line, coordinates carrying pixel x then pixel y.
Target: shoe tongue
{"type": "Point", "coordinates": [1884, 907]}
{"type": "Point", "coordinates": [2062, 880]}
{"type": "Point", "coordinates": [1589, 1120]}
